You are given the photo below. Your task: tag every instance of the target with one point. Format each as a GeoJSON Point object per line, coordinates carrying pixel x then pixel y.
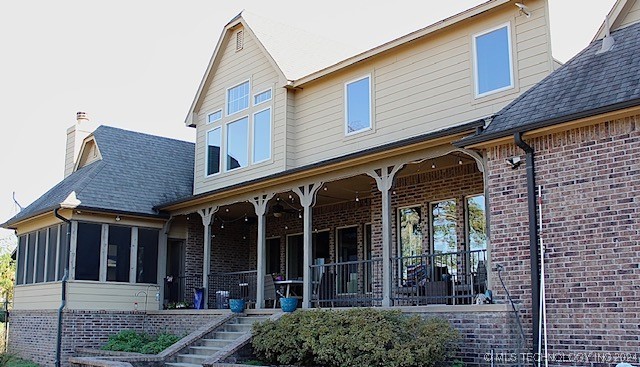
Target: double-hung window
{"type": "Point", "coordinates": [357, 97]}
{"type": "Point", "coordinates": [493, 67]}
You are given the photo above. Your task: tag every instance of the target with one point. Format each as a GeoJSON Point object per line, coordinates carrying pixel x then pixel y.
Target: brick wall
{"type": "Point", "coordinates": [485, 336]}
{"type": "Point", "coordinates": [32, 334]}
{"type": "Point", "coordinates": [591, 218]}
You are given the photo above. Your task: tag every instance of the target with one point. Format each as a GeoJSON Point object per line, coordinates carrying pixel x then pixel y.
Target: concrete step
{"type": "Point", "coordinates": [192, 358]}
{"type": "Point", "coordinates": [178, 364]}
{"type": "Point", "coordinates": [228, 335]}
{"type": "Point", "coordinates": [245, 328]}
{"type": "Point", "coordinates": [250, 319]}
{"type": "Point", "coordinates": [219, 343]}
{"type": "Point", "coordinates": [204, 351]}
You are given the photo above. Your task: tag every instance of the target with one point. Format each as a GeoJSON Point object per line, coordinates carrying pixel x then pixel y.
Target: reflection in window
{"type": "Point", "coordinates": [238, 98]}
{"type": "Point", "coordinates": [358, 105]}
{"type": "Point", "coordinates": [262, 136]}
{"type": "Point", "coordinates": [119, 254]}
{"type": "Point", "coordinates": [147, 262]}
{"type": "Point", "coordinates": [410, 242]}
{"type": "Point", "coordinates": [238, 144]}
{"type": "Point", "coordinates": [443, 216]}
{"type": "Point", "coordinates": [214, 138]}
{"type": "Point", "coordinates": [88, 251]}
{"type": "Point", "coordinates": [493, 61]}
{"type": "Point", "coordinates": [348, 251]}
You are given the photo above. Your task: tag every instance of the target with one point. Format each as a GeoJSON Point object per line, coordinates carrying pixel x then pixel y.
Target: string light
{"type": "Point", "coordinates": [222, 225]}
{"type": "Point", "coordinates": [227, 210]}
{"type": "Point", "coordinates": [357, 198]}
{"type": "Point", "coordinates": [245, 218]}
{"type": "Point", "coordinates": [460, 161]}
{"type": "Point", "coordinates": [433, 165]}
{"type": "Point", "coordinates": [286, 227]}
{"type": "Point", "coordinates": [325, 188]}
{"type": "Point", "coordinates": [300, 215]}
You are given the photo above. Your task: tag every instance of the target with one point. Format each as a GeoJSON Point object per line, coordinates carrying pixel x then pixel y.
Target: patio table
{"type": "Point", "coordinates": [288, 284]}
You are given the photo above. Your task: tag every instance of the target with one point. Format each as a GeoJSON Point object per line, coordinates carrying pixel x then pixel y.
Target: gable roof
{"type": "Point", "coordinates": [292, 52]}
{"type": "Point", "coordinates": [590, 84]}
{"type": "Point", "coordinates": [136, 172]}
{"type": "Point", "coordinates": [615, 17]}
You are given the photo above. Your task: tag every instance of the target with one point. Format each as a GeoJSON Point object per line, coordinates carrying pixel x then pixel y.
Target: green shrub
{"type": "Point", "coordinates": [8, 360]}
{"type": "Point", "coordinates": [131, 341]}
{"type": "Point", "coordinates": [357, 337]}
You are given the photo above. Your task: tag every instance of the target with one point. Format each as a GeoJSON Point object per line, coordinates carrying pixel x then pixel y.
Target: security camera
{"type": "Point", "coordinates": [524, 9]}
{"type": "Point", "coordinates": [515, 162]}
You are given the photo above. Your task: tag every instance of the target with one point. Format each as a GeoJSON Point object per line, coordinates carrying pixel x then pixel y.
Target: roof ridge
{"type": "Point", "coordinates": [143, 133]}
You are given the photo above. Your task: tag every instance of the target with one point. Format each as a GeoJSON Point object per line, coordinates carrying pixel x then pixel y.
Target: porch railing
{"type": "Point", "coordinates": [235, 285]}
{"type": "Point", "coordinates": [442, 278]}
{"type": "Point", "coordinates": [179, 290]}
{"type": "Point", "coordinates": [347, 284]}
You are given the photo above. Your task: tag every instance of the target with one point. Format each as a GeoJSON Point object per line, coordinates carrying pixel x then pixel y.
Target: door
{"type": "Point", "coordinates": [175, 284]}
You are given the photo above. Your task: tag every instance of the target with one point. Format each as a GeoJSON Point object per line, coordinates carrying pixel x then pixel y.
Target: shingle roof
{"type": "Point", "coordinates": [137, 171]}
{"type": "Point", "coordinates": [587, 85]}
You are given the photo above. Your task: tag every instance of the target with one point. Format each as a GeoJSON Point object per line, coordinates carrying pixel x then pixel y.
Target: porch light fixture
{"type": "Point", "coordinates": [515, 162]}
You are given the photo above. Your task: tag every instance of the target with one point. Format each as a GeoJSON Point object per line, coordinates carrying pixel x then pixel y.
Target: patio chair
{"type": "Point", "coordinates": [325, 293]}
{"type": "Point", "coordinates": [270, 291]}
{"type": "Point", "coordinates": [480, 281]}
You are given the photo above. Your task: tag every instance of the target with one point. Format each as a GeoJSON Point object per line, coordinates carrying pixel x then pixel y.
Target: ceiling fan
{"type": "Point", "coordinates": [278, 210]}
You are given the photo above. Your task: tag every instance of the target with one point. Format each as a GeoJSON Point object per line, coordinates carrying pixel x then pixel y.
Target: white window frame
{"type": "Point", "coordinates": [252, 137]}
{"type": "Point", "coordinates": [346, 106]}
{"type": "Point", "coordinates": [226, 97]}
{"type": "Point", "coordinates": [476, 85]}
{"type": "Point", "coordinates": [206, 154]}
{"type": "Point", "coordinates": [259, 93]}
{"type": "Point", "coordinates": [225, 137]}
{"type": "Point", "coordinates": [209, 121]}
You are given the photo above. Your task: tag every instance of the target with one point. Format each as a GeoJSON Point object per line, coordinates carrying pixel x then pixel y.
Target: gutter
{"type": "Point", "coordinates": [482, 138]}
{"type": "Point", "coordinates": [534, 249]}
{"type": "Point", "coordinates": [65, 277]}
{"type": "Point", "coordinates": [465, 127]}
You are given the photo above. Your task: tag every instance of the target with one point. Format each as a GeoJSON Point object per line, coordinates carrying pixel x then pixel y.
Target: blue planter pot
{"type": "Point", "coordinates": [237, 305]}
{"type": "Point", "coordinates": [288, 304]}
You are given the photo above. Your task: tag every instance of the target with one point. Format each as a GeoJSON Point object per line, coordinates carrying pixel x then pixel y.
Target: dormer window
{"type": "Point", "coordinates": [238, 98]}
{"type": "Point", "coordinates": [493, 66]}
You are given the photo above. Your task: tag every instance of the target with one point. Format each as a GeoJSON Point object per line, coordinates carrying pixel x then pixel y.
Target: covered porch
{"type": "Point", "coordinates": [408, 234]}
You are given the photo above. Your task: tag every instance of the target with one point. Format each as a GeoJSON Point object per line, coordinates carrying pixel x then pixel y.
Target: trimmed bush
{"type": "Point", "coordinates": [131, 341]}
{"type": "Point", "coordinates": [354, 338]}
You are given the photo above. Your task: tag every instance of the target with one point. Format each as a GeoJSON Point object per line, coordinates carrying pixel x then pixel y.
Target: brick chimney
{"type": "Point", "coordinates": [75, 136]}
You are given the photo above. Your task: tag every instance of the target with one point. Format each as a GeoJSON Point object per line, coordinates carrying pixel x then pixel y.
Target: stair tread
{"type": "Point", "coordinates": [196, 356]}
{"type": "Point", "coordinates": [204, 347]}
{"type": "Point", "coordinates": [182, 364]}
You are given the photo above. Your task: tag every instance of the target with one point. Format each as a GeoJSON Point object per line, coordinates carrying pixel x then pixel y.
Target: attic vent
{"type": "Point", "coordinates": [239, 40]}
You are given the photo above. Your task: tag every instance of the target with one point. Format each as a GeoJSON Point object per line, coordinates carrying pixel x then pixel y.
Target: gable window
{"type": "Point", "coordinates": [214, 116]}
{"type": "Point", "coordinates": [238, 98]}
{"type": "Point", "coordinates": [493, 61]}
{"type": "Point", "coordinates": [238, 144]}
{"type": "Point", "coordinates": [358, 105]}
{"type": "Point", "coordinates": [262, 97]}
{"type": "Point", "coordinates": [214, 138]}
{"type": "Point", "coordinates": [262, 136]}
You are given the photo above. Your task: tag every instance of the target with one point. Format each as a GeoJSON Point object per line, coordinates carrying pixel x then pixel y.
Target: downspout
{"type": "Point", "coordinates": [63, 302]}
{"type": "Point", "coordinates": [533, 237]}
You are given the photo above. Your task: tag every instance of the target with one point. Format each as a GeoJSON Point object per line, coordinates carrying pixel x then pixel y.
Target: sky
{"type": "Point", "coordinates": [137, 64]}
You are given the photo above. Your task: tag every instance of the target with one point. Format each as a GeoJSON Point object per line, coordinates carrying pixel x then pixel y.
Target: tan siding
{"type": "Point", "coordinates": [633, 15]}
{"type": "Point", "coordinates": [234, 68]}
{"type": "Point", "coordinates": [421, 87]}
{"type": "Point", "coordinates": [109, 296]}
{"type": "Point", "coordinates": [44, 296]}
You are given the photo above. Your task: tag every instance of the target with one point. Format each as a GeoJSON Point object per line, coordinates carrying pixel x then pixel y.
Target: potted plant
{"type": "Point", "coordinates": [237, 305]}
{"type": "Point", "coordinates": [288, 304]}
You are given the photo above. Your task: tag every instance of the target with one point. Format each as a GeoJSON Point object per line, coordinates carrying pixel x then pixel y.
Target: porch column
{"type": "Point", "coordinates": [384, 181]}
{"type": "Point", "coordinates": [260, 204]}
{"type": "Point", "coordinates": [207, 218]}
{"type": "Point", "coordinates": [307, 195]}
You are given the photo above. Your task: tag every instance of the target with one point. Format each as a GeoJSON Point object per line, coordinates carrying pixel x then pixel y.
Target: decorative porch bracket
{"type": "Point", "coordinates": [307, 195]}
{"type": "Point", "coordinates": [260, 203]}
{"type": "Point", "coordinates": [384, 180]}
{"type": "Point", "coordinates": [207, 217]}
